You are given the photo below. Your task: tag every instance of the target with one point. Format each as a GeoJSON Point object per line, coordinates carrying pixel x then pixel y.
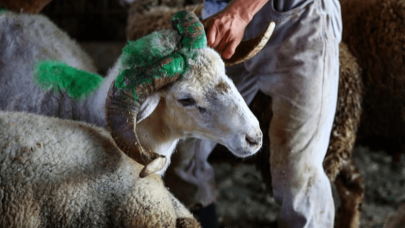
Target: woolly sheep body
{"type": "Point", "coordinates": [62, 173]}
{"type": "Point", "coordinates": [25, 39]}
{"type": "Point", "coordinates": [379, 49]}
{"type": "Point", "coordinates": [141, 21]}
{"type": "Point", "coordinates": [52, 176]}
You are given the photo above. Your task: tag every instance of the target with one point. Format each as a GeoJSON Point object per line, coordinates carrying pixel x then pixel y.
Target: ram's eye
{"type": "Point", "coordinates": [202, 110]}
{"type": "Point", "coordinates": [188, 101]}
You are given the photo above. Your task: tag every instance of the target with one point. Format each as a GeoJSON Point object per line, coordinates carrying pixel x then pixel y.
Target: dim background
{"type": "Point", "coordinates": [242, 200]}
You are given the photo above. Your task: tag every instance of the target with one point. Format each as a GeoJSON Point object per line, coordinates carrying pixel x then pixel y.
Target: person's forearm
{"type": "Point", "coordinates": [246, 9]}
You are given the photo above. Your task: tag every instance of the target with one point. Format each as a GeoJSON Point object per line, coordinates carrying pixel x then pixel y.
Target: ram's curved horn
{"type": "Point", "coordinates": [123, 105]}
{"type": "Point", "coordinates": [249, 48]}
{"type": "Point", "coordinates": [190, 28]}
{"type": "Point", "coordinates": [134, 85]}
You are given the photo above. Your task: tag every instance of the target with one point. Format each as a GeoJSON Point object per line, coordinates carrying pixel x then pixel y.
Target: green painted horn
{"type": "Point", "coordinates": [190, 28]}
{"type": "Point", "coordinates": [137, 81]}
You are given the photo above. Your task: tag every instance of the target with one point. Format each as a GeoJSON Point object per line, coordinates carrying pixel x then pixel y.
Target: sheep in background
{"type": "Point", "coordinates": [25, 39]}
{"type": "Point", "coordinates": [374, 31]}
{"type": "Point", "coordinates": [143, 20]}
{"type": "Point", "coordinates": [63, 173]}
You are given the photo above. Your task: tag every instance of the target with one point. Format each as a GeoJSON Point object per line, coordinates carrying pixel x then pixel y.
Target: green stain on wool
{"type": "Point", "coordinates": [58, 76]}
{"type": "Point", "coordinates": [2, 10]}
{"type": "Point", "coordinates": [141, 59]}
{"type": "Point", "coordinates": [131, 78]}
{"type": "Point", "coordinates": [171, 69]}
{"type": "Point", "coordinates": [139, 54]}
{"type": "Point", "coordinates": [145, 50]}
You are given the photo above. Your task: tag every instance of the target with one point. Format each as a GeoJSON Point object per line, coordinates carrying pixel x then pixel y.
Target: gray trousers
{"type": "Point", "coordinates": [299, 69]}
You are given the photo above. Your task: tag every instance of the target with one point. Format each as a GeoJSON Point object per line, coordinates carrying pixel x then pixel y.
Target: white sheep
{"type": "Point", "coordinates": [63, 173]}
{"type": "Point", "coordinates": [204, 103]}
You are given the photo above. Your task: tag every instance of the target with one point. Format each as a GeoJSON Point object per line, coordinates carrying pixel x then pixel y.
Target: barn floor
{"type": "Point", "coordinates": [242, 200]}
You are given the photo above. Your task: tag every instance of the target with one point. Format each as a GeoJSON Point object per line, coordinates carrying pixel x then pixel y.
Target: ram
{"type": "Point", "coordinates": [203, 103]}
{"type": "Point", "coordinates": [138, 91]}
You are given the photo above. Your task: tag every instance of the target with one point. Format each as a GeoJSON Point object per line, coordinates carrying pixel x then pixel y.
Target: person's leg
{"type": "Point", "coordinates": [303, 111]}
{"type": "Point", "coordinates": [298, 68]}
{"type": "Point", "coordinates": [303, 86]}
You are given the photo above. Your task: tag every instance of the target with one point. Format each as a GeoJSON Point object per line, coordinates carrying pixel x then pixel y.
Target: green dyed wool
{"type": "Point", "coordinates": [57, 76]}
{"type": "Point", "coordinates": [137, 56]}
{"type": "Point", "coordinates": [131, 78]}
{"type": "Point", "coordinates": [146, 50]}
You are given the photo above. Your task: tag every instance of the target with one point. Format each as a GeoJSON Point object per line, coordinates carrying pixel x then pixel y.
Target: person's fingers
{"type": "Point", "coordinates": [222, 45]}
{"type": "Point", "coordinates": [211, 36]}
{"type": "Point", "coordinates": [230, 49]}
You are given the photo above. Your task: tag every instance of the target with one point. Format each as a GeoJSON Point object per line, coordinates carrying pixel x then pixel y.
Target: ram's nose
{"type": "Point", "coordinates": [254, 140]}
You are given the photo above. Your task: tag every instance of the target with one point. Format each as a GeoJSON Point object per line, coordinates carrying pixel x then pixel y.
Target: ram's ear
{"type": "Point", "coordinates": [148, 106]}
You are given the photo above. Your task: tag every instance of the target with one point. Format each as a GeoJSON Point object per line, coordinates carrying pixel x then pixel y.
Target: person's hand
{"type": "Point", "coordinates": [226, 28]}
{"type": "Point", "coordinates": [225, 31]}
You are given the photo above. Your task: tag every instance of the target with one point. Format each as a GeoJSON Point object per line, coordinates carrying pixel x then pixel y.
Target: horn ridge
{"type": "Point", "coordinates": [190, 28]}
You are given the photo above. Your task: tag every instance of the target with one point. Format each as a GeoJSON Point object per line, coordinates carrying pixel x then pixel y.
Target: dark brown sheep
{"type": "Point", "coordinates": [374, 31]}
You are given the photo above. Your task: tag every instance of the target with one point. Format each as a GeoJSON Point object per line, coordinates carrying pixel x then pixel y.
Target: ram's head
{"type": "Point", "coordinates": [203, 103]}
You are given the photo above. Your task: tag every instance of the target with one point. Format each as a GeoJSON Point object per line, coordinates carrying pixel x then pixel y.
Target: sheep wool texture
{"type": "Point", "coordinates": [374, 31]}
{"type": "Point", "coordinates": [63, 173]}
{"type": "Point", "coordinates": [55, 76]}
{"type": "Point", "coordinates": [26, 39]}
{"type": "Point", "coordinates": [143, 19]}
